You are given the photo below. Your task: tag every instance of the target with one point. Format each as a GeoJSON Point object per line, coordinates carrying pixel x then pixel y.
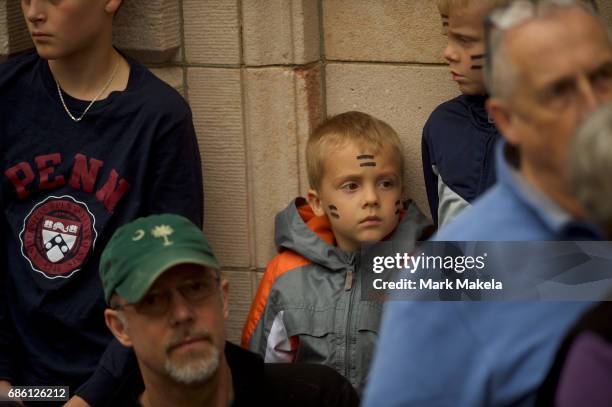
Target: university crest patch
{"type": "Point", "coordinates": [58, 235]}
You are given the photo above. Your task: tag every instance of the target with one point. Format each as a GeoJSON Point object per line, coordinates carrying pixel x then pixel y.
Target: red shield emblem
{"type": "Point", "coordinates": [58, 235]}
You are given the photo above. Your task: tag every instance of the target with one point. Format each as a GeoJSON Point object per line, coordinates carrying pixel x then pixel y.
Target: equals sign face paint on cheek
{"type": "Point", "coordinates": [444, 18]}
{"type": "Point", "coordinates": [397, 206]}
{"type": "Point", "coordinates": [479, 57]}
{"type": "Point", "coordinates": [366, 157]}
{"type": "Point", "coordinates": [333, 211]}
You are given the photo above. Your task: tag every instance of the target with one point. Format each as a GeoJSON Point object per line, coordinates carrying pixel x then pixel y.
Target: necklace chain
{"type": "Point", "coordinates": [78, 119]}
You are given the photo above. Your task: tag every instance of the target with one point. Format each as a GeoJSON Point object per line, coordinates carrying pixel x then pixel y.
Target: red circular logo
{"type": "Point", "coordinates": [57, 236]}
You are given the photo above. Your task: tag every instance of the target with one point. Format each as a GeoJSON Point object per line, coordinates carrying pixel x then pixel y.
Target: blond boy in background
{"type": "Point", "coordinates": [459, 137]}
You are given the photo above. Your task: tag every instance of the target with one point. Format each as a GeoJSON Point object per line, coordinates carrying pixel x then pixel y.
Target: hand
{"type": "Point", "coordinates": [5, 386]}
{"type": "Point", "coordinates": [76, 401]}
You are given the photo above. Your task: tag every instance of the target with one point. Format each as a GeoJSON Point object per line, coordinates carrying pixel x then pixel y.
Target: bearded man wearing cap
{"type": "Point", "coordinates": [169, 303]}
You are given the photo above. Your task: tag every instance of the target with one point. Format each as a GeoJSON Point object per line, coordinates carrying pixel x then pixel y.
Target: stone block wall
{"type": "Point", "coordinates": [14, 35]}
{"type": "Point", "coordinates": [259, 76]}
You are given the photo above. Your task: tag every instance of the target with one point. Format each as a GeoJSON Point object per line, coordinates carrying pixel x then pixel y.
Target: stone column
{"type": "Point", "coordinates": [254, 84]}
{"type": "Point", "coordinates": [14, 37]}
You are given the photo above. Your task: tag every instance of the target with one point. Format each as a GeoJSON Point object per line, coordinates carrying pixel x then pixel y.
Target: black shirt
{"type": "Point", "coordinates": [259, 384]}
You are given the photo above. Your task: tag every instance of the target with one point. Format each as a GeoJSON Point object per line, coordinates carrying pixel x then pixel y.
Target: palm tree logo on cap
{"type": "Point", "coordinates": [163, 231]}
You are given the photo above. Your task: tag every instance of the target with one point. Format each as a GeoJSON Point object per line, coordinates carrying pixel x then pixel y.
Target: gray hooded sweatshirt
{"type": "Point", "coordinates": [308, 307]}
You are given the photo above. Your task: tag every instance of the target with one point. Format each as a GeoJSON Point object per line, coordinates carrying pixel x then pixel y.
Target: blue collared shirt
{"type": "Point", "coordinates": [475, 353]}
{"type": "Point", "coordinates": [515, 210]}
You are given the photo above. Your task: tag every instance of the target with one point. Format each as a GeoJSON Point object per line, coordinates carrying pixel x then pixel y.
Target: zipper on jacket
{"type": "Point", "coordinates": [347, 352]}
{"type": "Point", "coordinates": [348, 282]}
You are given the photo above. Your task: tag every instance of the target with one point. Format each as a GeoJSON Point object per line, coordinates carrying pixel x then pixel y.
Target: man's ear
{"type": "Point", "coordinates": [314, 200]}
{"type": "Point", "coordinates": [225, 299]}
{"type": "Point", "coordinates": [112, 6]}
{"type": "Point", "coordinates": [504, 119]}
{"type": "Point", "coordinates": [117, 327]}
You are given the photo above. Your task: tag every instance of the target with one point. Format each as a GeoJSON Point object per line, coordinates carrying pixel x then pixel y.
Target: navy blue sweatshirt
{"type": "Point", "coordinates": [458, 155]}
{"type": "Point", "coordinates": [65, 187]}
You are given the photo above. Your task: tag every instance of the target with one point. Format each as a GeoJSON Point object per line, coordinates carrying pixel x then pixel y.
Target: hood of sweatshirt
{"type": "Point", "coordinates": [297, 228]}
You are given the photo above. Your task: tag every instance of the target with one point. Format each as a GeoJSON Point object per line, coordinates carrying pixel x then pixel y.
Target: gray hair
{"type": "Point", "coordinates": [590, 166]}
{"type": "Point", "coordinates": [500, 71]}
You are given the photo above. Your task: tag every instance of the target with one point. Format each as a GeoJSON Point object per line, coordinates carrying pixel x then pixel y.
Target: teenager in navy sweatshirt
{"type": "Point", "coordinates": [90, 140]}
{"type": "Point", "coordinates": [459, 137]}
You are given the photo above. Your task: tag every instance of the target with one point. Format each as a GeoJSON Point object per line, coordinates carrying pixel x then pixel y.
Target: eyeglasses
{"type": "Point", "coordinates": [156, 303]}
{"type": "Point", "coordinates": [518, 12]}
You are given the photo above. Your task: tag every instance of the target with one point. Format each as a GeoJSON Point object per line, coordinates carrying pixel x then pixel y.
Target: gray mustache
{"type": "Point", "coordinates": [180, 337]}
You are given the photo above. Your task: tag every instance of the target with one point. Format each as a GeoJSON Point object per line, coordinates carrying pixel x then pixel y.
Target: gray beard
{"type": "Point", "coordinates": [197, 371]}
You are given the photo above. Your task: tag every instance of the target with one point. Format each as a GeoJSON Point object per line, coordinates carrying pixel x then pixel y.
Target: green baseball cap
{"type": "Point", "coordinates": [140, 251]}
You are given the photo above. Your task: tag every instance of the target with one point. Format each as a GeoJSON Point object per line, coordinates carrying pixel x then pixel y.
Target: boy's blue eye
{"type": "Point", "coordinates": [351, 186]}
{"type": "Point", "coordinates": [462, 39]}
{"type": "Point", "coordinates": [386, 184]}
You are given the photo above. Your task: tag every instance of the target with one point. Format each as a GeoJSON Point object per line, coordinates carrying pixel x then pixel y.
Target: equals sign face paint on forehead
{"type": "Point", "coordinates": [367, 163]}
{"type": "Point", "coordinates": [478, 57]}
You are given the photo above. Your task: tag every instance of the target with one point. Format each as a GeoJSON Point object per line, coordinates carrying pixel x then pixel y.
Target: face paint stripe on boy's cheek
{"type": "Point", "coordinates": [332, 212]}
{"type": "Point", "coordinates": [444, 18]}
{"type": "Point", "coordinates": [372, 164]}
{"type": "Point", "coordinates": [397, 204]}
{"type": "Point", "coordinates": [475, 58]}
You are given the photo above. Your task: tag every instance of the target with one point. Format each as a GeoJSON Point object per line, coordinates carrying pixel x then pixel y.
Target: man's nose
{"type": "Point", "coordinates": [589, 98]}
{"type": "Point", "coordinates": [180, 309]}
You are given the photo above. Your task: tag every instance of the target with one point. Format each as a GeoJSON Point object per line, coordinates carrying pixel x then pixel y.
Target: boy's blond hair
{"type": "Point", "coordinates": [446, 5]}
{"type": "Point", "coordinates": [355, 127]}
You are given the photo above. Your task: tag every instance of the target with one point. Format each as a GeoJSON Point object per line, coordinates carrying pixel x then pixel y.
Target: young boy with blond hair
{"type": "Point", "coordinates": [308, 307]}
{"type": "Point", "coordinates": [459, 138]}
